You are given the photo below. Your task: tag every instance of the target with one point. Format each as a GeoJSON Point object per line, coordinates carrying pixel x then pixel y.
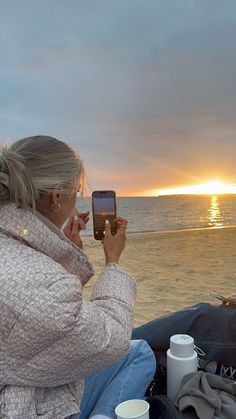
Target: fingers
{"type": "Point", "coordinates": [81, 224]}
{"type": "Point", "coordinates": [75, 225]}
{"type": "Point", "coordinates": [114, 244]}
{"type": "Point", "coordinates": [107, 228]}
{"type": "Point", "coordinates": [69, 224]}
{"type": "Point", "coordinates": [85, 220]}
{"type": "Point", "coordinates": [230, 301]}
{"type": "Point", "coordinates": [121, 224]}
{"type": "Point", "coordinates": [121, 221]}
{"type": "Point", "coordinates": [84, 216]}
{"type": "Point", "coordinates": [78, 224]}
{"type": "Point", "coordinates": [231, 297]}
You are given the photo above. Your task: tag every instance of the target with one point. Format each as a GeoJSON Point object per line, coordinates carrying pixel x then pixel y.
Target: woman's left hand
{"type": "Point", "coordinates": [76, 222]}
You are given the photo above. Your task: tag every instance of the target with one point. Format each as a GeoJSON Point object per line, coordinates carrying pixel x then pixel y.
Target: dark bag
{"type": "Point", "coordinates": [162, 408]}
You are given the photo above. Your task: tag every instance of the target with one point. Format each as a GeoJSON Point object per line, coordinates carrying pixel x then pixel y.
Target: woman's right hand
{"type": "Point", "coordinates": [114, 245]}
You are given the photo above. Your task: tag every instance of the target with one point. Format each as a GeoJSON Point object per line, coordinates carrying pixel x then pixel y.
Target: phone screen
{"type": "Point", "coordinates": [104, 208]}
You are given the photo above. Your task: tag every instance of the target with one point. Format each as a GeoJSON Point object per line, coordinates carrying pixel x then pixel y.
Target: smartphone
{"type": "Point", "coordinates": [104, 208]}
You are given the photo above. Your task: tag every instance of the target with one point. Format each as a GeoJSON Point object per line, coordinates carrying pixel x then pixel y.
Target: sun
{"type": "Point", "coordinates": [213, 187]}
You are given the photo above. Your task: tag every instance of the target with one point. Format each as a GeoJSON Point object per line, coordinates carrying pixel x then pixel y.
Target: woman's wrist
{"type": "Point", "coordinates": [111, 259]}
{"type": "Point", "coordinates": [111, 263]}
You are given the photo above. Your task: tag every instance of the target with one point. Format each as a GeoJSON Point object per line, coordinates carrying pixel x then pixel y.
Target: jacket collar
{"type": "Point", "coordinates": [38, 232]}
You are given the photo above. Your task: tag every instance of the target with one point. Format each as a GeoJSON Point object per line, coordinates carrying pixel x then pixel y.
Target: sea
{"type": "Point", "coordinates": [171, 213]}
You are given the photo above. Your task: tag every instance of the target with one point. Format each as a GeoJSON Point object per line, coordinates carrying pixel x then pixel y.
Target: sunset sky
{"type": "Point", "coordinates": [144, 90]}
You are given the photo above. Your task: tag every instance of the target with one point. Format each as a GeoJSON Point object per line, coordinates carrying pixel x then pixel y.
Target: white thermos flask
{"type": "Point", "coordinates": [181, 360]}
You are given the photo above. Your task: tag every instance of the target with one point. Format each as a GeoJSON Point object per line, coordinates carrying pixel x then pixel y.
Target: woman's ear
{"type": "Point", "coordinates": [55, 196]}
{"type": "Point", "coordinates": [55, 201]}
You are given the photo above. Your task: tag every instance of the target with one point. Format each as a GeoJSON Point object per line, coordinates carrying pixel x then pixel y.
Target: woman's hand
{"type": "Point", "coordinates": [230, 300]}
{"type": "Point", "coordinates": [76, 222]}
{"type": "Point", "coordinates": [114, 245]}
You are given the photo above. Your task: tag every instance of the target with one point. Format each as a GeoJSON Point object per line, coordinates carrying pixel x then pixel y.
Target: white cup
{"type": "Point", "coordinates": [133, 409]}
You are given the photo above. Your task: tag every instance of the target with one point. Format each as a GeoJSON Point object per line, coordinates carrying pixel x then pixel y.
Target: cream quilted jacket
{"type": "Point", "coordinates": [51, 338]}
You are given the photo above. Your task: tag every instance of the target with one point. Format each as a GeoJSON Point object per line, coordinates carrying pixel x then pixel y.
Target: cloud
{"type": "Point", "coordinates": [143, 89]}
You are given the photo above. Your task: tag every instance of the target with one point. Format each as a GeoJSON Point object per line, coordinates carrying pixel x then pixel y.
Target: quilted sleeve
{"type": "Point", "coordinates": [59, 337]}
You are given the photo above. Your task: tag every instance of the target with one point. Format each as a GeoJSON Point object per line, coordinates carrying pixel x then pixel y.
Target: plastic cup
{"type": "Point", "coordinates": [133, 409]}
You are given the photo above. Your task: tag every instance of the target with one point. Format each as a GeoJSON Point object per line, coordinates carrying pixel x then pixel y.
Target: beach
{"type": "Point", "coordinates": [174, 269]}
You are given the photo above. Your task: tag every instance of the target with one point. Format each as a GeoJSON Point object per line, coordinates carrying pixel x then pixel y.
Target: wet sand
{"type": "Point", "coordinates": [174, 269]}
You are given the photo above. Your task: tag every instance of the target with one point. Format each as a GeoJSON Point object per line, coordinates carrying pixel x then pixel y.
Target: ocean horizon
{"type": "Point", "coordinates": [170, 212]}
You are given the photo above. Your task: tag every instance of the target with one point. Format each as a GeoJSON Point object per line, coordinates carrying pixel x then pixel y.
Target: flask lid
{"type": "Point", "coordinates": [181, 345]}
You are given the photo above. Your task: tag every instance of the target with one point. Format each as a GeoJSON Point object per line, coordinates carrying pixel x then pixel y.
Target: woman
{"type": "Point", "coordinates": [60, 356]}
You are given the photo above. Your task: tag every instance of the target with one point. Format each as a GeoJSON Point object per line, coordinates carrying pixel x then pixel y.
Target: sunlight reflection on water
{"type": "Point", "coordinates": [214, 212]}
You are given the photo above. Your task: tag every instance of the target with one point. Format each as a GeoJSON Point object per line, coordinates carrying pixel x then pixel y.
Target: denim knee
{"type": "Point", "coordinates": [143, 352]}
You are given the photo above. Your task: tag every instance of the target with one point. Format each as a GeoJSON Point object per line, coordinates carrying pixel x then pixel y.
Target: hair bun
{"type": "Point", "coordinates": [15, 178]}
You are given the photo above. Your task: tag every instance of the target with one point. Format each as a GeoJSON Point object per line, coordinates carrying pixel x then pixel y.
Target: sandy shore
{"type": "Point", "coordinates": [175, 269]}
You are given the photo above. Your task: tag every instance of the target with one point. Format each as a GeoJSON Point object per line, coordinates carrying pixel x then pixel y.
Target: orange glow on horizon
{"type": "Point", "coordinates": [213, 187]}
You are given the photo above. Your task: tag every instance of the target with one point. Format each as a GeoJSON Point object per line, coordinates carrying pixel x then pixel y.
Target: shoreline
{"type": "Point", "coordinates": [174, 271]}
{"type": "Point", "coordinates": [176, 230]}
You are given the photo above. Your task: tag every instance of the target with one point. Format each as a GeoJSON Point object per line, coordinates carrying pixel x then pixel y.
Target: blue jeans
{"type": "Point", "coordinates": [128, 378]}
{"type": "Point", "coordinates": [212, 327]}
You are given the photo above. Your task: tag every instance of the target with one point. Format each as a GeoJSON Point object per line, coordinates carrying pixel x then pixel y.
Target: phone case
{"type": "Point", "coordinates": [102, 211]}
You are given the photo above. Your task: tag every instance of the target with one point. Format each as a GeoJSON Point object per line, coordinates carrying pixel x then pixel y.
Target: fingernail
{"type": "Point", "coordinates": [104, 232]}
{"type": "Point", "coordinates": [107, 222]}
{"type": "Point", "coordinates": [76, 218]}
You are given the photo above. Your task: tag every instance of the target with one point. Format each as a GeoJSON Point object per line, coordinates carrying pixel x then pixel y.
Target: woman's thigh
{"type": "Point", "coordinates": [127, 378]}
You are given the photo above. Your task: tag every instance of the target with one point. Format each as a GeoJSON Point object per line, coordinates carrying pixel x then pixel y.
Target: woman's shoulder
{"type": "Point", "coordinates": [26, 272]}
{"type": "Point", "coordinates": [17, 255]}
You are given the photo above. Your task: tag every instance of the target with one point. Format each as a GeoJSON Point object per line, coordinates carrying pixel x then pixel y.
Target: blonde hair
{"type": "Point", "coordinates": [36, 165]}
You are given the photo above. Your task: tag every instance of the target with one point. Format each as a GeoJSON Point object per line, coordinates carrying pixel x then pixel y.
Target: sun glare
{"type": "Point", "coordinates": [210, 188]}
